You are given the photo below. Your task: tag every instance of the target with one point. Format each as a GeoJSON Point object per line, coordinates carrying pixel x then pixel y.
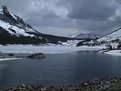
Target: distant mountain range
{"type": "Point", "coordinates": [114, 36]}
{"type": "Point", "coordinates": [112, 39]}
{"type": "Point", "coordinates": [88, 36]}
{"type": "Point", "coordinates": [13, 30]}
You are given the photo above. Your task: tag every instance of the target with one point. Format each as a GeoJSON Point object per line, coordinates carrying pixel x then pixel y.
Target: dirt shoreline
{"type": "Point", "coordinates": [103, 84]}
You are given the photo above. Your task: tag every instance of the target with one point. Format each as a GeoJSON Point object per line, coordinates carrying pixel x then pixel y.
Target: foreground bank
{"type": "Point", "coordinates": [107, 84]}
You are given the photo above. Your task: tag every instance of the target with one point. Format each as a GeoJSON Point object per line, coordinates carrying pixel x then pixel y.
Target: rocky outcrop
{"type": "Point", "coordinates": [36, 56]}
{"type": "Point", "coordinates": [11, 54]}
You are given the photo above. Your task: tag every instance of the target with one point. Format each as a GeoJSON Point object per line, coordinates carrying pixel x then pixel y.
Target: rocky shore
{"type": "Point", "coordinates": [104, 84]}
{"type": "Point", "coordinates": [10, 56]}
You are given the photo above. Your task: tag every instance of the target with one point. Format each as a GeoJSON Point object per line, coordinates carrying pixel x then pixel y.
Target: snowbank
{"type": "Point", "coordinates": [53, 49]}
{"type": "Point", "coordinates": [4, 59]}
{"type": "Point", "coordinates": [114, 52]}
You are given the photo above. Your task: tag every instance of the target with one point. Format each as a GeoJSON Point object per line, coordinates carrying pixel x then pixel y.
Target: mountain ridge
{"type": "Point", "coordinates": [88, 36]}
{"type": "Point", "coordinates": [13, 30]}
{"type": "Point", "coordinates": [112, 36]}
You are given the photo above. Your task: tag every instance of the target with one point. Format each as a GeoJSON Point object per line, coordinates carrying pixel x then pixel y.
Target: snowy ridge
{"type": "Point", "coordinates": [112, 36]}
{"type": "Point", "coordinates": [14, 24]}
{"type": "Point", "coordinates": [87, 36]}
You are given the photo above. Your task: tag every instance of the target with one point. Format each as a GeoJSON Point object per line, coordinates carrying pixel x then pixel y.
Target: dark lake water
{"type": "Point", "coordinates": [59, 69]}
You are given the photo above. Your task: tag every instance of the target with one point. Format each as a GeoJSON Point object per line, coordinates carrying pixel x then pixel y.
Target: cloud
{"type": "Point", "coordinates": [95, 10]}
{"type": "Point", "coordinates": [67, 17]}
{"type": "Point", "coordinates": [2, 2]}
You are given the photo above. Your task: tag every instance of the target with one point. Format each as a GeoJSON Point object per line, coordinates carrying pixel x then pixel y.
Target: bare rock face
{"type": "Point", "coordinates": [36, 56]}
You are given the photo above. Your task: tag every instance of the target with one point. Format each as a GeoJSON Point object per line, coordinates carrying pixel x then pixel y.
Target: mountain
{"type": "Point", "coordinates": [88, 36]}
{"type": "Point", "coordinates": [13, 24]}
{"type": "Point", "coordinates": [113, 36]}
{"type": "Point", "coordinates": [13, 30]}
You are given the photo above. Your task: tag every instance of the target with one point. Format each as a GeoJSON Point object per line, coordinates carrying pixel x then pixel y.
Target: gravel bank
{"type": "Point", "coordinates": [104, 84]}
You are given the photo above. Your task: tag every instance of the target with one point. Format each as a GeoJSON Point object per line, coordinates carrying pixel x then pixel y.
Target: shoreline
{"type": "Point", "coordinates": [113, 52]}
{"type": "Point", "coordinates": [52, 49]}
{"type": "Point", "coordinates": [55, 49]}
{"type": "Point", "coordinates": [102, 84]}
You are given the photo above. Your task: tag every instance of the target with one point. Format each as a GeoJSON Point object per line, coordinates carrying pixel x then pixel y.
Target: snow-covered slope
{"type": "Point", "coordinates": [14, 24]}
{"type": "Point", "coordinates": [115, 35]}
{"type": "Point", "coordinates": [88, 36]}
{"type": "Point", "coordinates": [13, 30]}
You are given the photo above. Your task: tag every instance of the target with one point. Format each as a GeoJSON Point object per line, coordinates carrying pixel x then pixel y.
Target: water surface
{"type": "Point", "coordinates": [59, 69]}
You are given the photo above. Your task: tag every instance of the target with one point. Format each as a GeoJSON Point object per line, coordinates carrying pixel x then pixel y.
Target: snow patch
{"type": "Point", "coordinates": [4, 59]}
{"type": "Point", "coordinates": [114, 52]}
{"type": "Point", "coordinates": [29, 30]}
{"type": "Point", "coordinates": [13, 16]}
{"type": "Point", "coordinates": [18, 31]}
{"type": "Point", "coordinates": [70, 43]}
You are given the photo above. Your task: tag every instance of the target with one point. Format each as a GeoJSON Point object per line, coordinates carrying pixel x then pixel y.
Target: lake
{"type": "Point", "coordinates": [59, 69]}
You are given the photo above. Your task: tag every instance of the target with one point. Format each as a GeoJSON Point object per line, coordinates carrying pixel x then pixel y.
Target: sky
{"type": "Point", "coordinates": [68, 17]}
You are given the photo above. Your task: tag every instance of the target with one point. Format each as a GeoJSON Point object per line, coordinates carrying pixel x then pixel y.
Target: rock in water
{"type": "Point", "coordinates": [36, 56]}
{"type": "Point", "coordinates": [11, 54]}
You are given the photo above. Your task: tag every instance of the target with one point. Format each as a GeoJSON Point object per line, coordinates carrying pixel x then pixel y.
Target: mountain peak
{"type": "Point", "coordinates": [88, 36]}
{"type": "Point", "coordinates": [14, 24]}
{"type": "Point", "coordinates": [5, 9]}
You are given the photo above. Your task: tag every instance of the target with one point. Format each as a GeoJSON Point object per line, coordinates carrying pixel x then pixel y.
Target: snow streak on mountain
{"type": "Point", "coordinates": [13, 30]}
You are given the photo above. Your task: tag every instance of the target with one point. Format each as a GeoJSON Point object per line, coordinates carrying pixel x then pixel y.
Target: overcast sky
{"type": "Point", "coordinates": [68, 17]}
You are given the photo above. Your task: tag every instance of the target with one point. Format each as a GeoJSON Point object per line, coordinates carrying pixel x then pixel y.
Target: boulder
{"type": "Point", "coordinates": [36, 56]}
{"type": "Point", "coordinates": [11, 54]}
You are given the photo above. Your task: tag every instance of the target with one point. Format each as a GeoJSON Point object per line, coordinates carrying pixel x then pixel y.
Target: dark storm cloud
{"type": "Point", "coordinates": [119, 1]}
{"type": "Point", "coordinates": [66, 17]}
{"type": "Point", "coordinates": [91, 9]}
{"type": "Point", "coordinates": [95, 15]}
